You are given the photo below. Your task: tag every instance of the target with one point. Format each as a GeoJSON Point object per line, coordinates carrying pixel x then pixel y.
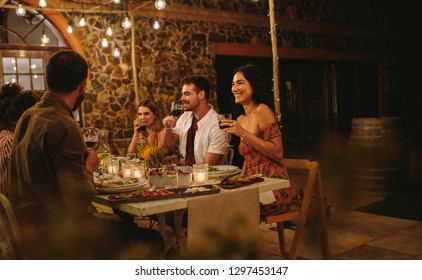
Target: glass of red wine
{"type": "Point", "coordinates": [176, 109]}
{"type": "Point", "coordinates": [223, 125]}
{"type": "Point", "coordinates": [91, 136]}
{"type": "Point", "coordinates": [142, 127]}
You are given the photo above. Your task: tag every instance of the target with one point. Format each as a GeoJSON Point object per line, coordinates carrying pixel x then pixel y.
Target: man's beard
{"type": "Point", "coordinates": [78, 102]}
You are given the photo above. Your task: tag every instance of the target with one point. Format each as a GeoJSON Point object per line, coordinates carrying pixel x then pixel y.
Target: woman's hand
{"type": "Point", "coordinates": [233, 127]}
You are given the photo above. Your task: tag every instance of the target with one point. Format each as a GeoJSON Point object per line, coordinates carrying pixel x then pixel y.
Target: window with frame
{"type": "Point", "coordinates": [28, 72]}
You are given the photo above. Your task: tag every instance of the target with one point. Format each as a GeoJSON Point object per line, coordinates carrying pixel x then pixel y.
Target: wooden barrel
{"type": "Point", "coordinates": [378, 155]}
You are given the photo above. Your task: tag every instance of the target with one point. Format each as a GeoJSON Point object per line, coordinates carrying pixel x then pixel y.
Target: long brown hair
{"type": "Point", "coordinates": [157, 126]}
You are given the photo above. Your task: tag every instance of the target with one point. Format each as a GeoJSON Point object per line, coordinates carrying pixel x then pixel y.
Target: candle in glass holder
{"type": "Point", "coordinates": [138, 169]}
{"type": "Point", "coordinates": [126, 170]}
{"type": "Point", "coordinates": [200, 172]}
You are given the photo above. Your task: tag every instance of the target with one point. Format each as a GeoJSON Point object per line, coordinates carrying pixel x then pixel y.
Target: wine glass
{"type": "Point", "coordinates": [143, 125]}
{"type": "Point", "coordinates": [176, 109]}
{"type": "Point", "coordinates": [225, 116]}
{"type": "Point", "coordinates": [91, 136]}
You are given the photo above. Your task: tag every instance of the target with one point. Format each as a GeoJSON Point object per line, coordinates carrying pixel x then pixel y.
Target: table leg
{"type": "Point", "coordinates": [180, 233]}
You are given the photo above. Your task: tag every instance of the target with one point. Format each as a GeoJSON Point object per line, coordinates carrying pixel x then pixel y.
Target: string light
{"type": "Point", "coordinates": [117, 2]}
{"type": "Point", "coordinates": [160, 4]}
{"type": "Point", "coordinates": [109, 31]}
{"type": "Point", "coordinates": [43, 3]}
{"type": "Point", "coordinates": [70, 26]}
{"type": "Point", "coordinates": [116, 51]}
{"type": "Point", "coordinates": [126, 24]}
{"type": "Point", "coordinates": [82, 22]}
{"type": "Point", "coordinates": [20, 11]}
{"type": "Point", "coordinates": [156, 24]}
{"type": "Point", "coordinates": [104, 43]}
{"type": "Point", "coordinates": [44, 37]}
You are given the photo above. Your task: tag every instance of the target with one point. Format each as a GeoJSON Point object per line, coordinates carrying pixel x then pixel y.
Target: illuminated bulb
{"type": "Point", "coordinates": [69, 29]}
{"type": "Point", "coordinates": [33, 66]}
{"type": "Point", "coordinates": [13, 61]}
{"type": "Point", "coordinates": [14, 68]}
{"type": "Point", "coordinates": [13, 80]}
{"type": "Point", "coordinates": [116, 1]}
{"type": "Point", "coordinates": [44, 38]}
{"type": "Point", "coordinates": [35, 76]}
{"type": "Point", "coordinates": [160, 4]}
{"type": "Point", "coordinates": [42, 3]}
{"type": "Point", "coordinates": [126, 24]}
{"type": "Point", "coordinates": [109, 31]}
{"type": "Point", "coordinates": [116, 52]}
{"type": "Point", "coordinates": [156, 25]}
{"type": "Point", "coordinates": [82, 22]}
{"type": "Point", "coordinates": [20, 11]}
{"type": "Point", "coordinates": [104, 43]}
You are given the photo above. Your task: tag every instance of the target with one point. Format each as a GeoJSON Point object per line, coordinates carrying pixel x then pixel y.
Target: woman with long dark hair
{"type": "Point", "coordinates": [260, 136]}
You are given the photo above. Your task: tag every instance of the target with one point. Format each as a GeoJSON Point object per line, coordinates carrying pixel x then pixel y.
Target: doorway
{"type": "Point", "coordinates": [317, 98]}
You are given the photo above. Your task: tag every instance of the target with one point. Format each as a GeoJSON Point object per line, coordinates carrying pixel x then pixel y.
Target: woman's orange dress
{"type": "Point", "coordinates": [257, 163]}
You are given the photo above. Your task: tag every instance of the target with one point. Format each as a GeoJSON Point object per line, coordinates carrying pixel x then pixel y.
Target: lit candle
{"type": "Point", "coordinates": [126, 172]}
{"type": "Point", "coordinates": [200, 172]}
{"type": "Point", "coordinates": [200, 176]}
{"type": "Point", "coordinates": [137, 172]}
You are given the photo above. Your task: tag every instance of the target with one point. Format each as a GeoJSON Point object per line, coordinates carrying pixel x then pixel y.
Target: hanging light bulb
{"type": "Point", "coordinates": [69, 26]}
{"type": "Point", "coordinates": [43, 3]}
{"type": "Point", "coordinates": [82, 22]}
{"type": "Point", "coordinates": [117, 2]}
{"type": "Point", "coordinates": [116, 51]}
{"type": "Point", "coordinates": [20, 11]}
{"type": "Point", "coordinates": [126, 24]}
{"type": "Point", "coordinates": [104, 43]}
{"type": "Point", "coordinates": [44, 38]}
{"type": "Point", "coordinates": [160, 4]}
{"type": "Point", "coordinates": [156, 24]}
{"type": "Point", "coordinates": [109, 31]}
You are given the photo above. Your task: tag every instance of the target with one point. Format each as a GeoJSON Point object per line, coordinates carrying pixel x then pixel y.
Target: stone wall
{"type": "Point", "coordinates": [179, 48]}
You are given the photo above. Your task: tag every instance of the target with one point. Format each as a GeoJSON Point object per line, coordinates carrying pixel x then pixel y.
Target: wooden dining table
{"type": "Point", "coordinates": [216, 212]}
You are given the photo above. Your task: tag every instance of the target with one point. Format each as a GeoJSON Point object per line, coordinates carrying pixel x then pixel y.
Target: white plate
{"type": "Point", "coordinates": [223, 170]}
{"type": "Point", "coordinates": [124, 188]}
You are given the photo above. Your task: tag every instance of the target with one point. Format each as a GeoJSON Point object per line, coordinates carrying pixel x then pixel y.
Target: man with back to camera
{"type": "Point", "coordinates": [196, 131]}
{"type": "Point", "coordinates": [51, 177]}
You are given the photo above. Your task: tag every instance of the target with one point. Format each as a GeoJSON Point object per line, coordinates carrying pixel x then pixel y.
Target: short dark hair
{"type": "Point", "coordinates": [66, 70]}
{"type": "Point", "coordinates": [200, 82]}
{"type": "Point", "coordinates": [255, 77]}
{"type": "Point", "coordinates": [14, 101]}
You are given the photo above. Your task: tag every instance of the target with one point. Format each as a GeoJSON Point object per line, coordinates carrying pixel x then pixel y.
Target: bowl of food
{"type": "Point", "coordinates": [184, 175]}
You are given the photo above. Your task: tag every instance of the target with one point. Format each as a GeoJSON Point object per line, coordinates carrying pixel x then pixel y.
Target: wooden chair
{"type": "Point", "coordinates": [230, 156]}
{"type": "Point", "coordinates": [10, 236]}
{"type": "Point", "coordinates": [299, 214]}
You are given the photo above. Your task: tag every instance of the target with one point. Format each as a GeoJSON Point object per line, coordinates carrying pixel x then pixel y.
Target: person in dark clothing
{"type": "Point", "coordinates": [51, 178]}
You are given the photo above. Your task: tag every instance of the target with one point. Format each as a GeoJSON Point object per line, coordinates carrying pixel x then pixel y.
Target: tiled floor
{"type": "Point", "coordinates": [357, 235]}
{"type": "Point", "coordinates": [354, 236]}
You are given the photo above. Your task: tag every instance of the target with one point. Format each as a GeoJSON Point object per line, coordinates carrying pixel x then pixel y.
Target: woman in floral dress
{"type": "Point", "coordinates": [260, 135]}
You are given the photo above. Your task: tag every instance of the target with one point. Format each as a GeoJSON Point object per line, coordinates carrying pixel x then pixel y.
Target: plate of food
{"type": "Point", "coordinates": [218, 171]}
{"type": "Point", "coordinates": [120, 185]}
{"type": "Point", "coordinates": [232, 182]}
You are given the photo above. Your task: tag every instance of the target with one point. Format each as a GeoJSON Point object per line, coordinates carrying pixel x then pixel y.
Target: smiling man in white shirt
{"type": "Point", "coordinates": [196, 131]}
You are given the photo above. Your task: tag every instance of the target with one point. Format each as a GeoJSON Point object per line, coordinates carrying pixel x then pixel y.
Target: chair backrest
{"type": "Point", "coordinates": [230, 156]}
{"type": "Point", "coordinates": [10, 246]}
